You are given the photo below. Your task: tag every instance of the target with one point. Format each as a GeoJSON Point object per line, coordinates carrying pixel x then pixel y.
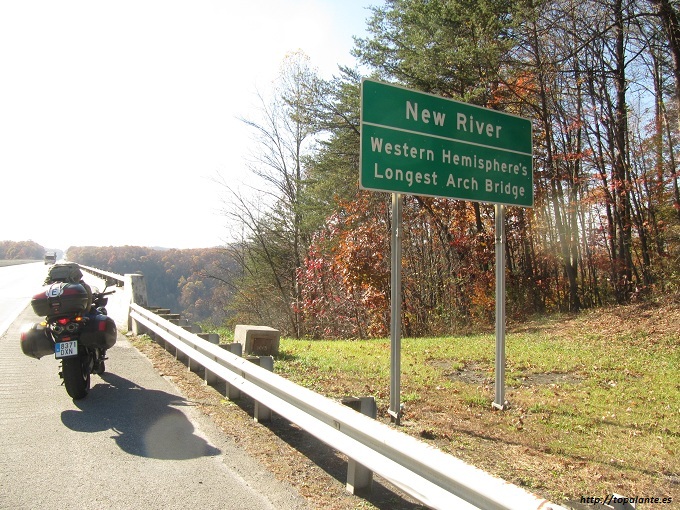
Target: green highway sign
{"type": "Point", "coordinates": [421, 144]}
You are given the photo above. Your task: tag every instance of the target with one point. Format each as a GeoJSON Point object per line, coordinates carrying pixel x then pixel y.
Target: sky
{"type": "Point", "coordinates": [116, 118]}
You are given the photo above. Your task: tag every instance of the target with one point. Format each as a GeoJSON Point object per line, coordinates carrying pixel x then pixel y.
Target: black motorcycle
{"type": "Point", "coordinates": [76, 328]}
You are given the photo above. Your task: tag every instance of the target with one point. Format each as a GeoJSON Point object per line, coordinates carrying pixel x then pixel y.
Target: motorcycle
{"type": "Point", "coordinates": [76, 328]}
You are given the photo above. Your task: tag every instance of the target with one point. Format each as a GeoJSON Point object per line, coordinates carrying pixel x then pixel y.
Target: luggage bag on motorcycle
{"type": "Point", "coordinates": [99, 331]}
{"type": "Point", "coordinates": [67, 272]}
{"type": "Point", "coordinates": [35, 342]}
{"type": "Point", "coordinates": [61, 299]}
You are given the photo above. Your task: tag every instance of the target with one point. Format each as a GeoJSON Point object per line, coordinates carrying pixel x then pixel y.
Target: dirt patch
{"type": "Point", "coordinates": [470, 373]}
{"type": "Point", "coordinates": [477, 375]}
{"type": "Point", "coordinates": [548, 379]}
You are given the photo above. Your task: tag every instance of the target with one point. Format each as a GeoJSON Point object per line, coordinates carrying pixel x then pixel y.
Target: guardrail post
{"type": "Point", "coordinates": [262, 413]}
{"type": "Point", "coordinates": [210, 378]}
{"type": "Point", "coordinates": [135, 292]}
{"type": "Point", "coordinates": [170, 348]}
{"type": "Point", "coordinates": [180, 356]}
{"type": "Point", "coordinates": [359, 477]}
{"type": "Point", "coordinates": [194, 366]}
{"type": "Point", "coordinates": [231, 391]}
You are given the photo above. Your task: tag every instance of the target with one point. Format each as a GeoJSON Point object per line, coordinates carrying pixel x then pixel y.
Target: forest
{"type": "Point", "coordinates": [21, 250]}
{"type": "Point", "coordinates": [599, 81]}
{"type": "Point", "coordinates": [310, 254]}
{"type": "Point", "coordinates": [181, 280]}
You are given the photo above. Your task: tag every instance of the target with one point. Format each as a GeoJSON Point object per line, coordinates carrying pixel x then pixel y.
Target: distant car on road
{"type": "Point", "coordinates": [50, 257]}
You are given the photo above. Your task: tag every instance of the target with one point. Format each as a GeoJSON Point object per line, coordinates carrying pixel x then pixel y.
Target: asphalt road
{"type": "Point", "coordinates": [18, 283]}
{"type": "Point", "coordinates": [133, 442]}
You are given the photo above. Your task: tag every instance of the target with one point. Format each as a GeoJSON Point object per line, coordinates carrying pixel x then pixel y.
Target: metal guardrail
{"type": "Point", "coordinates": [431, 476]}
{"type": "Point", "coordinates": [104, 275]}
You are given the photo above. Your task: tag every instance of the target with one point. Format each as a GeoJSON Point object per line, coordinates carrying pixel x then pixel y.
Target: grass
{"type": "Point", "coordinates": [594, 400]}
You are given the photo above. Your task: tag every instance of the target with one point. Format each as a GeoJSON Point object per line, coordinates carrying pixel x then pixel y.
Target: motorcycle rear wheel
{"type": "Point", "coordinates": [76, 374]}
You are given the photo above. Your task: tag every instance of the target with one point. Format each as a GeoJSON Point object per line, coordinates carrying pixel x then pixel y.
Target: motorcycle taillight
{"type": "Point", "coordinates": [69, 325]}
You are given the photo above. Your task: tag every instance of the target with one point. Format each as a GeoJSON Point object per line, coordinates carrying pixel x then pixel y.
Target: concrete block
{"type": "Point", "coordinates": [258, 340]}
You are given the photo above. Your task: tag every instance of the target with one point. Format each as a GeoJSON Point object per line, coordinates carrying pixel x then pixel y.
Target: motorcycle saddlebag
{"type": "Point", "coordinates": [61, 299]}
{"type": "Point", "coordinates": [35, 342]}
{"type": "Point", "coordinates": [99, 331]}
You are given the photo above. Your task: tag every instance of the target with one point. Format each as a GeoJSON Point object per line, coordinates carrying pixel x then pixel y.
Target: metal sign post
{"type": "Point", "coordinates": [395, 306]}
{"type": "Point", "coordinates": [421, 144]}
{"type": "Point", "coordinates": [499, 401]}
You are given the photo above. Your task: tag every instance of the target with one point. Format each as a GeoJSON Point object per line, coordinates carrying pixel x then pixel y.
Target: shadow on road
{"type": "Point", "coordinates": [145, 422]}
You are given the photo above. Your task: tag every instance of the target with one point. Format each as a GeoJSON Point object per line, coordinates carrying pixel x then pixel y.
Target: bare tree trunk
{"type": "Point", "coordinates": [620, 171]}
{"type": "Point", "coordinates": [671, 25]}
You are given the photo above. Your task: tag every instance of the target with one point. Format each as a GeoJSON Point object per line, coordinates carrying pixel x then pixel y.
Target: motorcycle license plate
{"type": "Point", "coordinates": [66, 349]}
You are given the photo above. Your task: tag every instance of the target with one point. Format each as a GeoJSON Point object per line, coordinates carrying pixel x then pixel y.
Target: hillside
{"type": "Point", "coordinates": [190, 282]}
